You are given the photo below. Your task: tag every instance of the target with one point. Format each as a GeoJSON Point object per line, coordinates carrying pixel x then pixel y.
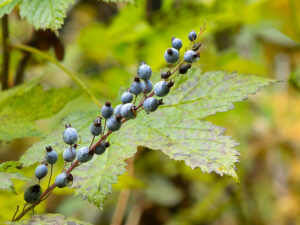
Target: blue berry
{"type": "Point", "coordinates": [33, 193]}
{"type": "Point", "coordinates": [176, 43]}
{"type": "Point", "coordinates": [114, 123]}
{"type": "Point", "coordinates": [191, 56]}
{"type": "Point", "coordinates": [41, 171]}
{"type": "Point", "coordinates": [107, 110]}
{"type": "Point", "coordinates": [61, 180]}
{"type": "Point", "coordinates": [51, 156]}
{"type": "Point", "coordinates": [137, 86]}
{"type": "Point", "coordinates": [151, 104]}
{"type": "Point", "coordinates": [171, 55]}
{"type": "Point", "coordinates": [70, 135]}
{"type": "Point", "coordinates": [162, 88]}
{"type": "Point", "coordinates": [128, 111]}
{"type": "Point", "coordinates": [192, 36]}
{"type": "Point", "coordinates": [117, 110]}
{"type": "Point", "coordinates": [144, 71]}
{"type": "Point", "coordinates": [100, 149]}
{"type": "Point", "coordinates": [147, 88]}
{"type": "Point", "coordinates": [69, 155]}
{"type": "Point", "coordinates": [84, 154]}
{"type": "Point", "coordinates": [126, 97]}
{"type": "Point", "coordinates": [95, 127]}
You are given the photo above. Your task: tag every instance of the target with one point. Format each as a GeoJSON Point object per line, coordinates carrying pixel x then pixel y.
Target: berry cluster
{"type": "Point", "coordinates": [150, 99]}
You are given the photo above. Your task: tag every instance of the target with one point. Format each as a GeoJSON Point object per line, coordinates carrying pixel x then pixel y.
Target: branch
{"type": "Point", "coordinates": [59, 65]}
{"type": "Point", "coordinates": [5, 53]}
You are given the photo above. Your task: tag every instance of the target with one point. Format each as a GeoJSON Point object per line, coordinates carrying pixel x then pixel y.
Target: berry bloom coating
{"type": "Point", "coordinates": [176, 43]}
{"type": "Point", "coordinates": [128, 111]}
{"type": "Point", "coordinates": [126, 97]}
{"type": "Point", "coordinates": [190, 56]}
{"type": "Point", "coordinates": [150, 104]}
{"type": "Point", "coordinates": [192, 36]}
{"type": "Point", "coordinates": [41, 171]}
{"type": "Point", "coordinates": [95, 127]}
{"type": "Point", "coordinates": [107, 110]}
{"type": "Point", "coordinates": [51, 157]}
{"type": "Point", "coordinates": [33, 193]}
{"type": "Point", "coordinates": [136, 87]}
{"type": "Point", "coordinates": [171, 55]}
{"type": "Point", "coordinates": [100, 149]}
{"type": "Point", "coordinates": [61, 180]}
{"type": "Point", "coordinates": [114, 122]}
{"type": "Point", "coordinates": [69, 155]}
{"type": "Point", "coordinates": [70, 136]}
{"type": "Point", "coordinates": [117, 110]}
{"type": "Point", "coordinates": [162, 88]}
{"type": "Point", "coordinates": [84, 155]}
{"type": "Point", "coordinates": [144, 71]}
{"type": "Point", "coordinates": [147, 86]}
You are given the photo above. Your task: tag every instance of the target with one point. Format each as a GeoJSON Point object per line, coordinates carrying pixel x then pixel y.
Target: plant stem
{"type": "Point", "coordinates": [74, 77]}
{"type": "Point", "coordinates": [123, 198]}
{"type": "Point", "coordinates": [5, 53]}
{"type": "Point", "coordinates": [51, 170]}
{"type": "Point", "coordinates": [125, 195]}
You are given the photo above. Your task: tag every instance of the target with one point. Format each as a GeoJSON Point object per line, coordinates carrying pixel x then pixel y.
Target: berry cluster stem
{"type": "Point", "coordinates": [92, 148]}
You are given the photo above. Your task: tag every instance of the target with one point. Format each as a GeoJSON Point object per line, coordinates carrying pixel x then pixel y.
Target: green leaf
{"type": "Point", "coordinates": [176, 128]}
{"type": "Point", "coordinates": [20, 107]}
{"type": "Point", "coordinates": [8, 171]}
{"type": "Point", "coordinates": [7, 6]}
{"type": "Point", "coordinates": [49, 219]}
{"type": "Point", "coordinates": [45, 14]}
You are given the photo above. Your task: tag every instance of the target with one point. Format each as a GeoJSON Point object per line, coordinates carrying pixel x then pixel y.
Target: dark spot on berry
{"type": "Point", "coordinates": [137, 79]}
{"type": "Point", "coordinates": [160, 102]}
{"type": "Point", "coordinates": [165, 75]}
{"type": "Point", "coordinates": [107, 144]}
{"type": "Point", "coordinates": [170, 51]}
{"type": "Point", "coordinates": [49, 148]}
{"type": "Point", "coordinates": [118, 117]}
{"type": "Point", "coordinates": [108, 104]}
{"type": "Point", "coordinates": [97, 121]}
{"type": "Point", "coordinates": [36, 188]}
{"type": "Point", "coordinates": [170, 84]}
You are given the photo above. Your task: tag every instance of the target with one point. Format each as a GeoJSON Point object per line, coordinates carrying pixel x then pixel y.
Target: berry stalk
{"type": "Point", "coordinates": [115, 118]}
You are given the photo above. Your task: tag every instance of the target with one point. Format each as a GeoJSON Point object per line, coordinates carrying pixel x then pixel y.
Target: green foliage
{"type": "Point", "coordinates": [7, 6]}
{"type": "Point", "coordinates": [175, 129]}
{"type": "Point", "coordinates": [45, 14]}
{"type": "Point", "coordinates": [48, 219]}
{"type": "Point", "coordinates": [22, 106]}
{"type": "Point", "coordinates": [10, 170]}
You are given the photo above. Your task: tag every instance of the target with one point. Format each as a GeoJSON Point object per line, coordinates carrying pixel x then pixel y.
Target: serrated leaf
{"type": "Point", "coordinates": [7, 6]}
{"type": "Point", "coordinates": [49, 219]}
{"type": "Point", "coordinates": [45, 14]}
{"type": "Point", "coordinates": [9, 171]}
{"type": "Point", "coordinates": [175, 129]}
{"type": "Point", "coordinates": [22, 106]}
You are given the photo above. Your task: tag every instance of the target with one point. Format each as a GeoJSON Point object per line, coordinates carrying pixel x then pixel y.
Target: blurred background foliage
{"type": "Point", "coordinates": [104, 43]}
